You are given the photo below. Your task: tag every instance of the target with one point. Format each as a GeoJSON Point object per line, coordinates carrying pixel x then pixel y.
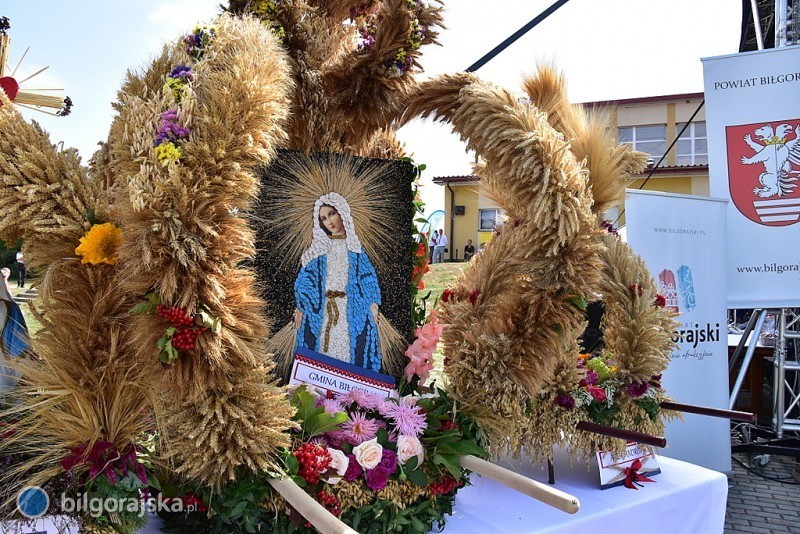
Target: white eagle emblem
{"type": "Point", "coordinates": [778, 156]}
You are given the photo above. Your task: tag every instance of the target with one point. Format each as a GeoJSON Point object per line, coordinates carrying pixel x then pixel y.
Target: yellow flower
{"type": "Point", "coordinates": [100, 244]}
{"type": "Point", "coordinates": [166, 152]}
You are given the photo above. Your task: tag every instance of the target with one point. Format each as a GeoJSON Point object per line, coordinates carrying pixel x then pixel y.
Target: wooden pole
{"type": "Point", "coordinates": [542, 492]}
{"type": "Point", "coordinates": [627, 435]}
{"type": "Point", "coordinates": [313, 511]}
{"type": "Point", "coordinates": [712, 412]}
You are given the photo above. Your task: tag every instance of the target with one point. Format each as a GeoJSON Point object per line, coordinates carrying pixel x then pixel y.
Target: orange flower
{"type": "Point", "coordinates": [100, 244]}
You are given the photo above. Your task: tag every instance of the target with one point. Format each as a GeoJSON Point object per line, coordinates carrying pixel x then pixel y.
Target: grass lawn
{"type": "Point", "coordinates": [439, 278]}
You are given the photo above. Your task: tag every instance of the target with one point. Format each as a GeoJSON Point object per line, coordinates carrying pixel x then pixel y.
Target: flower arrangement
{"type": "Point", "coordinates": [113, 476]}
{"type": "Point", "coordinates": [420, 352]}
{"type": "Point", "coordinates": [403, 60]}
{"type": "Point", "coordinates": [601, 389]}
{"type": "Point", "coordinates": [383, 463]}
{"type": "Point", "coordinates": [169, 136]}
{"type": "Point", "coordinates": [199, 39]}
{"type": "Point", "coordinates": [100, 244]}
{"type": "Point", "coordinates": [269, 11]}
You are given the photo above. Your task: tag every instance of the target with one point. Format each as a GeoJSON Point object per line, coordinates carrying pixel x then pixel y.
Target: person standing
{"type": "Point", "coordinates": [432, 244]}
{"type": "Point", "coordinates": [441, 245]}
{"type": "Point", "coordinates": [20, 269]}
{"type": "Point", "coordinates": [469, 250]}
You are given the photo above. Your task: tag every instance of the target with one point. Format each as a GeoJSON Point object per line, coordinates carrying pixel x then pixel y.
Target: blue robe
{"type": "Point", "coordinates": [13, 343]}
{"type": "Point", "coordinates": [362, 290]}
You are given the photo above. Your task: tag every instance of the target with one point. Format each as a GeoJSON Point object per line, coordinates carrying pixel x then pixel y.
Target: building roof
{"type": "Point", "coordinates": [675, 169]}
{"type": "Point", "coordinates": [644, 100]}
{"type": "Point", "coordinates": [455, 180]}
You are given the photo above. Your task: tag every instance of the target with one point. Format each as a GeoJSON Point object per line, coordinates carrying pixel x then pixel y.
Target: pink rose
{"type": "Point", "coordinates": [369, 453]}
{"type": "Point", "coordinates": [339, 464]}
{"type": "Point", "coordinates": [598, 394]}
{"type": "Point", "coordinates": [408, 446]}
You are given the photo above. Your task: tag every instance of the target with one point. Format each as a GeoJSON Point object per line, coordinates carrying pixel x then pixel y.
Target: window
{"type": "Point", "coordinates": [651, 139]}
{"type": "Point", "coordinates": [489, 219]}
{"type": "Point", "coordinates": [692, 146]}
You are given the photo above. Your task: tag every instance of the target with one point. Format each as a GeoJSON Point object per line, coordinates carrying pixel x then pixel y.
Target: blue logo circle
{"type": "Point", "coordinates": [32, 502]}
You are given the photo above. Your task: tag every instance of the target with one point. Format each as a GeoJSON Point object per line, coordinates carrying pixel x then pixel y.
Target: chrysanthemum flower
{"type": "Point", "coordinates": [406, 416]}
{"type": "Point", "coordinates": [360, 428]}
{"type": "Point", "coordinates": [100, 244]}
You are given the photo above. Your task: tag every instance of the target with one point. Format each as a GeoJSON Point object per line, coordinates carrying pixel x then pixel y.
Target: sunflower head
{"type": "Point", "coordinates": [100, 244]}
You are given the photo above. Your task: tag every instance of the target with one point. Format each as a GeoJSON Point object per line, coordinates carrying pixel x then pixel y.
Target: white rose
{"type": "Point", "coordinates": [408, 446]}
{"type": "Point", "coordinates": [368, 454]}
{"type": "Point", "coordinates": [339, 464]}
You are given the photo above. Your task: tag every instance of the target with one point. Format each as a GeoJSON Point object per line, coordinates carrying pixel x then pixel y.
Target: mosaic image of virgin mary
{"type": "Point", "coordinates": [336, 291]}
{"type": "Point", "coordinates": [333, 259]}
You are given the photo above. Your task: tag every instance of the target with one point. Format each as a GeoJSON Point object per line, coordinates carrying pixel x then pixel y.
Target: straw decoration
{"type": "Point", "coordinates": [186, 239]}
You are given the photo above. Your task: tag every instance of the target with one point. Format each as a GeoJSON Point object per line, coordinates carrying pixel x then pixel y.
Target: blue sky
{"type": "Point", "coordinates": [609, 50]}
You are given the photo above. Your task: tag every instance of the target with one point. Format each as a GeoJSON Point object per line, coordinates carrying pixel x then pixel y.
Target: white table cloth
{"type": "Point", "coordinates": [684, 498]}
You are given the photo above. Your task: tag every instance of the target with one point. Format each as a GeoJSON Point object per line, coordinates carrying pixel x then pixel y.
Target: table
{"type": "Point", "coordinates": [684, 499]}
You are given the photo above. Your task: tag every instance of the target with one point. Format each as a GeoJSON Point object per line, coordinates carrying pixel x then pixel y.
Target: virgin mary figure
{"type": "Point", "coordinates": [336, 292]}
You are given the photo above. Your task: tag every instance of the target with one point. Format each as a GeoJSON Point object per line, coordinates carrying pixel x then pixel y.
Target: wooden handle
{"type": "Point", "coordinates": [313, 511]}
{"type": "Point", "coordinates": [542, 492]}
{"type": "Point", "coordinates": [627, 435]}
{"type": "Point", "coordinates": [713, 412]}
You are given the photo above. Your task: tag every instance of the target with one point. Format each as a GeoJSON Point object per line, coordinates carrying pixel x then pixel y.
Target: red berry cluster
{"type": "Point", "coordinates": [179, 317]}
{"type": "Point", "coordinates": [313, 459]}
{"type": "Point", "coordinates": [185, 338]}
{"type": "Point", "coordinates": [449, 425]}
{"type": "Point", "coordinates": [442, 486]}
{"type": "Point", "coordinates": [330, 502]}
{"type": "Point", "coordinates": [186, 334]}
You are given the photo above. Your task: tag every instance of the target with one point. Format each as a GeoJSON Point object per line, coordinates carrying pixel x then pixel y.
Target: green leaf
{"type": "Point", "coordinates": [292, 464]}
{"type": "Point", "coordinates": [450, 463]}
{"type": "Point", "coordinates": [383, 437]}
{"type": "Point", "coordinates": [421, 167]}
{"type": "Point", "coordinates": [411, 464]}
{"type": "Point", "coordinates": [153, 298]}
{"type": "Point", "coordinates": [418, 477]}
{"type": "Point", "coordinates": [323, 422]}
{"type": "Point", "coordinates": [579, 302]}
{"type": "Point", "coordinates": [239, 508]}
{"type": "Point", "coordinates": [142, 308]}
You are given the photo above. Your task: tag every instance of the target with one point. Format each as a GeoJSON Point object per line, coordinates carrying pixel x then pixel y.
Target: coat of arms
{"type": "Point", "coordinates": [763, 168]}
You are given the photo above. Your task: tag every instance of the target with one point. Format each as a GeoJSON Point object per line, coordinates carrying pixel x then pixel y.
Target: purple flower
{"type": "Point", "coordinates": [655, 381]}
{"type": "Point", "coordinates": [565, 401]}
{"type": "Point", "coordinates": [183, 72]}
{"type": "Point", "coordinates": [360, 428]}
{"type": "Point", "coordinates": [376, 480]}
{"type": "Point", "coordinates": [591, 377]}
{"type": "Point", "coordinates": [388, 462]}
{"type": "Point", "coordinates": [406, 416]}
{"type": "Point", "coordinates": [637, 389]}
{"type": "Point", "coordinates": [378, 477]}
{"type": "Point", "coordinates": [353, 469]}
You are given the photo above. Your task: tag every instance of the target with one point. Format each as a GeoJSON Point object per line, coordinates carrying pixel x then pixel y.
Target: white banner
{"type": "Point", "coordinates": [682, 241]}
{"type": "Point", "coordinates": [753, 126]}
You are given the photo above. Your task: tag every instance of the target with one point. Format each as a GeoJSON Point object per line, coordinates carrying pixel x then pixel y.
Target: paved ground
{"type": "Point", "coordinates": [759, 505]}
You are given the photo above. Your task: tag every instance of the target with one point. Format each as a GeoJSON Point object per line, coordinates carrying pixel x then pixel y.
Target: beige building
{"type": "Point", "coordinates": [650, 124]}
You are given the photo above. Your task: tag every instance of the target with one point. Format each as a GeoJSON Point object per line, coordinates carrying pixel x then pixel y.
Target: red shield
{"type": "Point", "coordinates": [764, 170]}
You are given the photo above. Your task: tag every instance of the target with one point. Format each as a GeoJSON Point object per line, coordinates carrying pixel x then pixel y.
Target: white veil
{"type": "Point", "coordinates": [320, 242]}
